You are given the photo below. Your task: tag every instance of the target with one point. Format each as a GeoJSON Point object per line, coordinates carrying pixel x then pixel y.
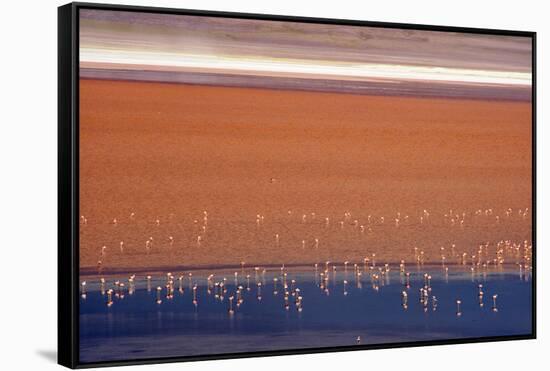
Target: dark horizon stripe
{"type": "Point", "coordinates": [403, 88]}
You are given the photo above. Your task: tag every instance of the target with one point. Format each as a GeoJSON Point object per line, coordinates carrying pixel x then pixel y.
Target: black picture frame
{"type": "Point", "coordinates": [68, 180]}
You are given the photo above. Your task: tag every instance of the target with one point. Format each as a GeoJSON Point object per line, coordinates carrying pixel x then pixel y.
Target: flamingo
{"type": "Point", "coordinates": [195, 302]}
{"type": "Point", "coordinates": [159, 290]}
{"type": "Point", "coordinates": [231, 311]}
{"type": "Point", "coordinates": [83, 285]}
{"type": "Point", "coordinates": [109, 297]}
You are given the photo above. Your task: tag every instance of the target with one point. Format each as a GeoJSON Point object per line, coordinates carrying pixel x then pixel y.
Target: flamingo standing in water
{"type": "Point", "coordinates": [231, 311]}
{"type": "Point", "coordinates": [83, 285]}
{"type": "Point", "coordinates": [109, 297]}
{"type": "Point", "coordinates": [345, 287]}
{"type": "Point", "coordinates": [404, 297]}
{"type": "Point", "coordinates": [480, 295]}
{"type": "Point", "coordinates": [259, 294]}
{"type": "Point", "coordinates": [195, 302]}
{"type": "Point", "coordinates": [159, 290]}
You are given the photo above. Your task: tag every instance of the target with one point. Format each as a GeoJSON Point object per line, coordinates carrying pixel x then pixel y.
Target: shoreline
{"type": "Point", "coordinates": [521, 99]}
{"type": "Point", "coordinates": [295, 267]}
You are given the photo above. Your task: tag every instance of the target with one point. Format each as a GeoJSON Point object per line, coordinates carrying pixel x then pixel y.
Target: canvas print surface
{"type": "Point", "coordinates": [253, 185]}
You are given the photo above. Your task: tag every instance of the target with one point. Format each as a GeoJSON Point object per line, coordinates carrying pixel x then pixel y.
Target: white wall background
{"type": "Point", "coordinates": [28, 180]}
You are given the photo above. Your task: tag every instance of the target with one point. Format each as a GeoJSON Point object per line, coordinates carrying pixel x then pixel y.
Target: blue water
{"type": "Point", "coordinates": [136, 326]}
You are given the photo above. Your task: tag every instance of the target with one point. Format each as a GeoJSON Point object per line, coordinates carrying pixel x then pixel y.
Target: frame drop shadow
{"type": "Point", "coordinates": [49, 354]}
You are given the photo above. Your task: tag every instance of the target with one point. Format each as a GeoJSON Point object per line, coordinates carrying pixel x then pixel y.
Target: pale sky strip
{"type": "Point", "coordinates": [302, 68]}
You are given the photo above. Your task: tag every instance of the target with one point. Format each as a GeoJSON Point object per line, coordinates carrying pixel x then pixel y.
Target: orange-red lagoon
{"type": "Point", "coordinates": [174, 175]}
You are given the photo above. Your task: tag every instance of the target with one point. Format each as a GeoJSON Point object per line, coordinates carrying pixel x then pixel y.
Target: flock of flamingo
{"type": "Point", "coordinates": [201, 230]}
{"type": "Point", "coordinates": [486, 257]}
{"type": "Point", "coordinates": [356, 274]}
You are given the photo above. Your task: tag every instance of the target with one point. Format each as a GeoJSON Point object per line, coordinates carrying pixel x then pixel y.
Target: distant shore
{"type": "Point", "coordinates": [379, 87]}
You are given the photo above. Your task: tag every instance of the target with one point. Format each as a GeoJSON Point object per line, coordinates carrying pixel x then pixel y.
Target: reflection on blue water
{"type": "Point", "coordinates": [346, 309]}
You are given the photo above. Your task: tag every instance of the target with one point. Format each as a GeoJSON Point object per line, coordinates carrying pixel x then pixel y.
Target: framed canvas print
{"type": "Point", "coordinates": [236, 185]}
